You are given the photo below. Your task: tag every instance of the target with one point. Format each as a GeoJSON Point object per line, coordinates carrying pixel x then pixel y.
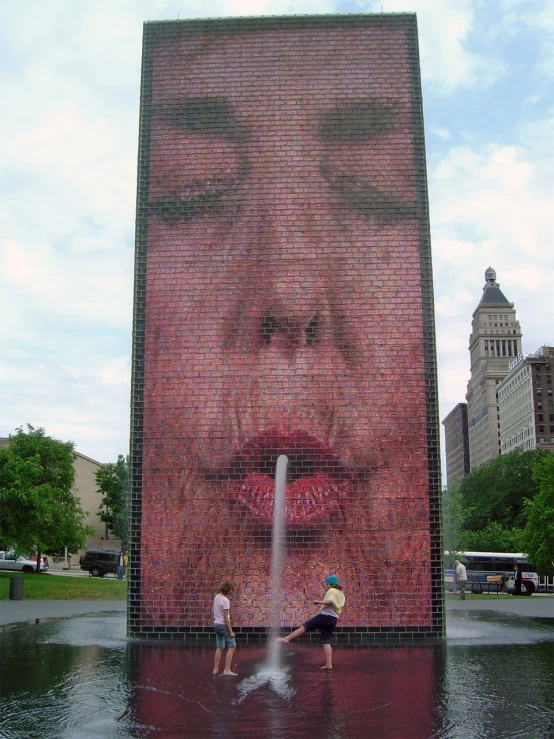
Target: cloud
{"type": "Point", "coordinates": [441, 133]}
{"type": "Point", "coordinates": [86, 286]}
{"type": "Point", "coordinates": [80, 395]}
{"type": "Point", "coordinates": [532, 99]}
{"type": "Point", "coordinates": [536, 20]}
{"type": "Point", "coordinates": [496, 194]}
{"type": "Point", "coordinates": [491, 204]}
{"type": "Point", "coordinates": [447, 31]}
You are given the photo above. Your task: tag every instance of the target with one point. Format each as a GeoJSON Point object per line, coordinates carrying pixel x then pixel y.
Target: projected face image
{"type": "Point", "coordinates": [283, 307]}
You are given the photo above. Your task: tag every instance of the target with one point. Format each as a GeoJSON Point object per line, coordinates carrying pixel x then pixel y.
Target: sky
{"type": "Point", "coordinates": [69, 81]}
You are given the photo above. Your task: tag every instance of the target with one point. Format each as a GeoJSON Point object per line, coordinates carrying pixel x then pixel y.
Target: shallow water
{"type": "Point", "coordinates": [81, 678]}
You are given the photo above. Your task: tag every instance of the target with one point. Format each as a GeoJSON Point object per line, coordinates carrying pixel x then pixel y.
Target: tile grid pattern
{"type": "Point", "coordinates": [139, 587]}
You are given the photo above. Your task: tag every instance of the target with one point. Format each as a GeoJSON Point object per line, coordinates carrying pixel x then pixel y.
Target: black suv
{"type": "Point", "coordinates": [99, 563]}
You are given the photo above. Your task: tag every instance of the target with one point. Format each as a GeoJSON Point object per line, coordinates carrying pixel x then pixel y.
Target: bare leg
{"type": "Point", "coordinates": [294, 635]}
{"type": "Point", "coordinates": [217, 659]}
{"type": "Point", "coordinates": [228, 657]}
{"type": "Point", "coordinates": [328, 657]}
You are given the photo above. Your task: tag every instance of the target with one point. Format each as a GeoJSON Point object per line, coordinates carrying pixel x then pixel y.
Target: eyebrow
{"type": "Point", "coordinates": [213, 116]}
{"type": "Point", "coordinates": [358, 121]}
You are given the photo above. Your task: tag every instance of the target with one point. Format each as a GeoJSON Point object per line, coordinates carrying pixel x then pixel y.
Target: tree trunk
{"type": "Point", "coordinates": [39, 557]}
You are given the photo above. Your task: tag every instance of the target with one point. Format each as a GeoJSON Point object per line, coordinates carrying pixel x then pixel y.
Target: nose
{"type": "Point", "coordinates": [293, 334]}
{"type": "Point", "coordinates": [289, 305]}
{"type": "Point", "coordinates": [295, 289]}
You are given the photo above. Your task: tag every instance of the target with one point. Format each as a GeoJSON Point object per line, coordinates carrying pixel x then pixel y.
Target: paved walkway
{"type": "Point", "coordinates": [27, 611]}
{"type": "Point", "coordinates": [535, 606]}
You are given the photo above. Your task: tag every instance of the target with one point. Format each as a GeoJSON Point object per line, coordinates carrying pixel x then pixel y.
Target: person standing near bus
{"type": "Point", "coordinates": [518, 581]}
{"type": "Point", "coordinates": [461, 578]}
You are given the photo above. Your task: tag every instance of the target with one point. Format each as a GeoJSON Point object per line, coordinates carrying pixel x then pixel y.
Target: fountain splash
{"type": "Point", "coordinates": [276, 574]}
{"type": "Point", "coordinates": [271, 673]}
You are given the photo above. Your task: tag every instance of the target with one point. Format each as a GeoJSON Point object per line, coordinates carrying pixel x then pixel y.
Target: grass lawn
{"type": "Point", "coordinates": [61, 587]}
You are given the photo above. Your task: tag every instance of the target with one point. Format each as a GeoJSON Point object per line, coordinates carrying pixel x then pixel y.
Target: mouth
{"type": "Point", "coordinates": [317, 482]}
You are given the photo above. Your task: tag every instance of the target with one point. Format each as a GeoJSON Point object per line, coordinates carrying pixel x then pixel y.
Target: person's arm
{"type": "Point", "coordinates": [327, 602]}
{"type": "Point", "coordinates": [228, 621]}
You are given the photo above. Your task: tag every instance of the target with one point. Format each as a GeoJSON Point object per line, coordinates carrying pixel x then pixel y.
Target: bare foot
{"type": "Point", "coordinates": [233, 674]}
{"type": "Point", "coordinates": [325, 668]}
{"type": "Point", "coordinates": [215, 672]}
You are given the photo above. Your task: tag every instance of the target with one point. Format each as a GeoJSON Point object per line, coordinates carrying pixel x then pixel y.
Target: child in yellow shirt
{"type": "Point", "coordinates": [326, 619]}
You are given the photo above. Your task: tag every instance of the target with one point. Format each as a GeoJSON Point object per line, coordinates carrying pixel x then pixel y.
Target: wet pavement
{"type": "Point", "coordinates": [26, 611]}
{"type": "Point", "coordinates": [81, 678]}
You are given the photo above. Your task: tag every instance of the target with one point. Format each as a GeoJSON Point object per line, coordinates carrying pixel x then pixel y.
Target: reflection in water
{"type": "Point", "coordinates": [81, 679]}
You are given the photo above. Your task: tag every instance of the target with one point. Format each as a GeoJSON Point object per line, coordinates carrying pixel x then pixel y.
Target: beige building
{"type": "Point", "coordinates": [526, 404]}
{"type": "Point", "coordinates": [90, 498]}
{"type": "Point", "coordinates": [495, 341]}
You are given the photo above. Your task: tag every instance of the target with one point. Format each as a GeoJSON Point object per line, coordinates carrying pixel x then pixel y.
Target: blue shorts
{"type": "Point", "coordinates": [223, 638]}
{"type": "Point", "coordinates": [324, 623]}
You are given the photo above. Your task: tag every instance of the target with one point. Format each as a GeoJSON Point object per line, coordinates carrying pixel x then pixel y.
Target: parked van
{"type": "Point", "coordinates": [99, 563]}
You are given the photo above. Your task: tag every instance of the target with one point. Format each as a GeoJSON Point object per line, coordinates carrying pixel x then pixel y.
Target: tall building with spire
{"type": "Point", "coordinates": [494, 342]}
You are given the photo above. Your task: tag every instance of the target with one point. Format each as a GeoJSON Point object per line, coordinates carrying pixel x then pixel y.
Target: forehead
{"type": "Point", "coordinates": [302, 63]}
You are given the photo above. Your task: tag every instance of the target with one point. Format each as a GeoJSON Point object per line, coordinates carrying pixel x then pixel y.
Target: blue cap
{"type": "Point", "coordinates": [332, 580]}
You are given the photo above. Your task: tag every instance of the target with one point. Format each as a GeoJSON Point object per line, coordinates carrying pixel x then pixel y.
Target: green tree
{"type": "Point", "coordinates": [537, 538]}
{"type": "Point", "coordinates": [114, 484]}
{"type": "Point", "coordinates": [39, 510]}
{"type": "Point", "coordinates": [493, 538]}
{"type": "Point", "coordinates": [495, 491]}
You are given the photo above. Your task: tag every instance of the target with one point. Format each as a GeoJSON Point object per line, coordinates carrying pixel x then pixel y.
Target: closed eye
{"type": "Point", "coordinates": [358, 122]}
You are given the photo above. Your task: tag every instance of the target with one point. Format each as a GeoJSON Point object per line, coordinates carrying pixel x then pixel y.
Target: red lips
{"type": "Point", "coordinates": [316, 480]}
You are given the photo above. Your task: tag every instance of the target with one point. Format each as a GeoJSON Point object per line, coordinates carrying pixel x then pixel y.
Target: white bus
{"type": "Point", "coordinates": [484, 568]}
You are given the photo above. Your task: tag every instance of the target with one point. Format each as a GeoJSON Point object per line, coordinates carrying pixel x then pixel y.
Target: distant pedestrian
{"type": "Point", "coordinates": [503, 581]}
{"type": "Point", "coordinates": [120, 571]}
{"type": "Point", "coordinates": [461, 578]}
{"type": "Point", "coordinates": [326, 620]}
{"type": "Point", "coordinates": [224, 634]}
{"type": "Point", "coordinates": [518, 581]}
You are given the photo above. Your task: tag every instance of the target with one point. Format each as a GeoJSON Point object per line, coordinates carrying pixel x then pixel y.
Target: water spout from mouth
{"type": "Point", "coordinates": [277, 554]}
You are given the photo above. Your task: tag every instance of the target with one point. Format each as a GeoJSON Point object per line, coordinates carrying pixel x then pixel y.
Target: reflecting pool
{"type": "Point", "coordinates": [80, 678]}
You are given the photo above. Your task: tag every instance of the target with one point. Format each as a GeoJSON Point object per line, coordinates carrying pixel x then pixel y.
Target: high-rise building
{"type": "Point", "coordinates": [456, 443]}
{"type": "Point", "coordinates": [525, 403]}
{"type": "Point", "coordinates": [495, 341]}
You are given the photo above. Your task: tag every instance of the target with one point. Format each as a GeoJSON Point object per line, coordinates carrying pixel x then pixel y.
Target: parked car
{"type": "Point", "coordinates": [9, 561]}
{"type": "Point", "coordinates": [44, 560]}
{"type": "Point", "coordinates": [99, 563]}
